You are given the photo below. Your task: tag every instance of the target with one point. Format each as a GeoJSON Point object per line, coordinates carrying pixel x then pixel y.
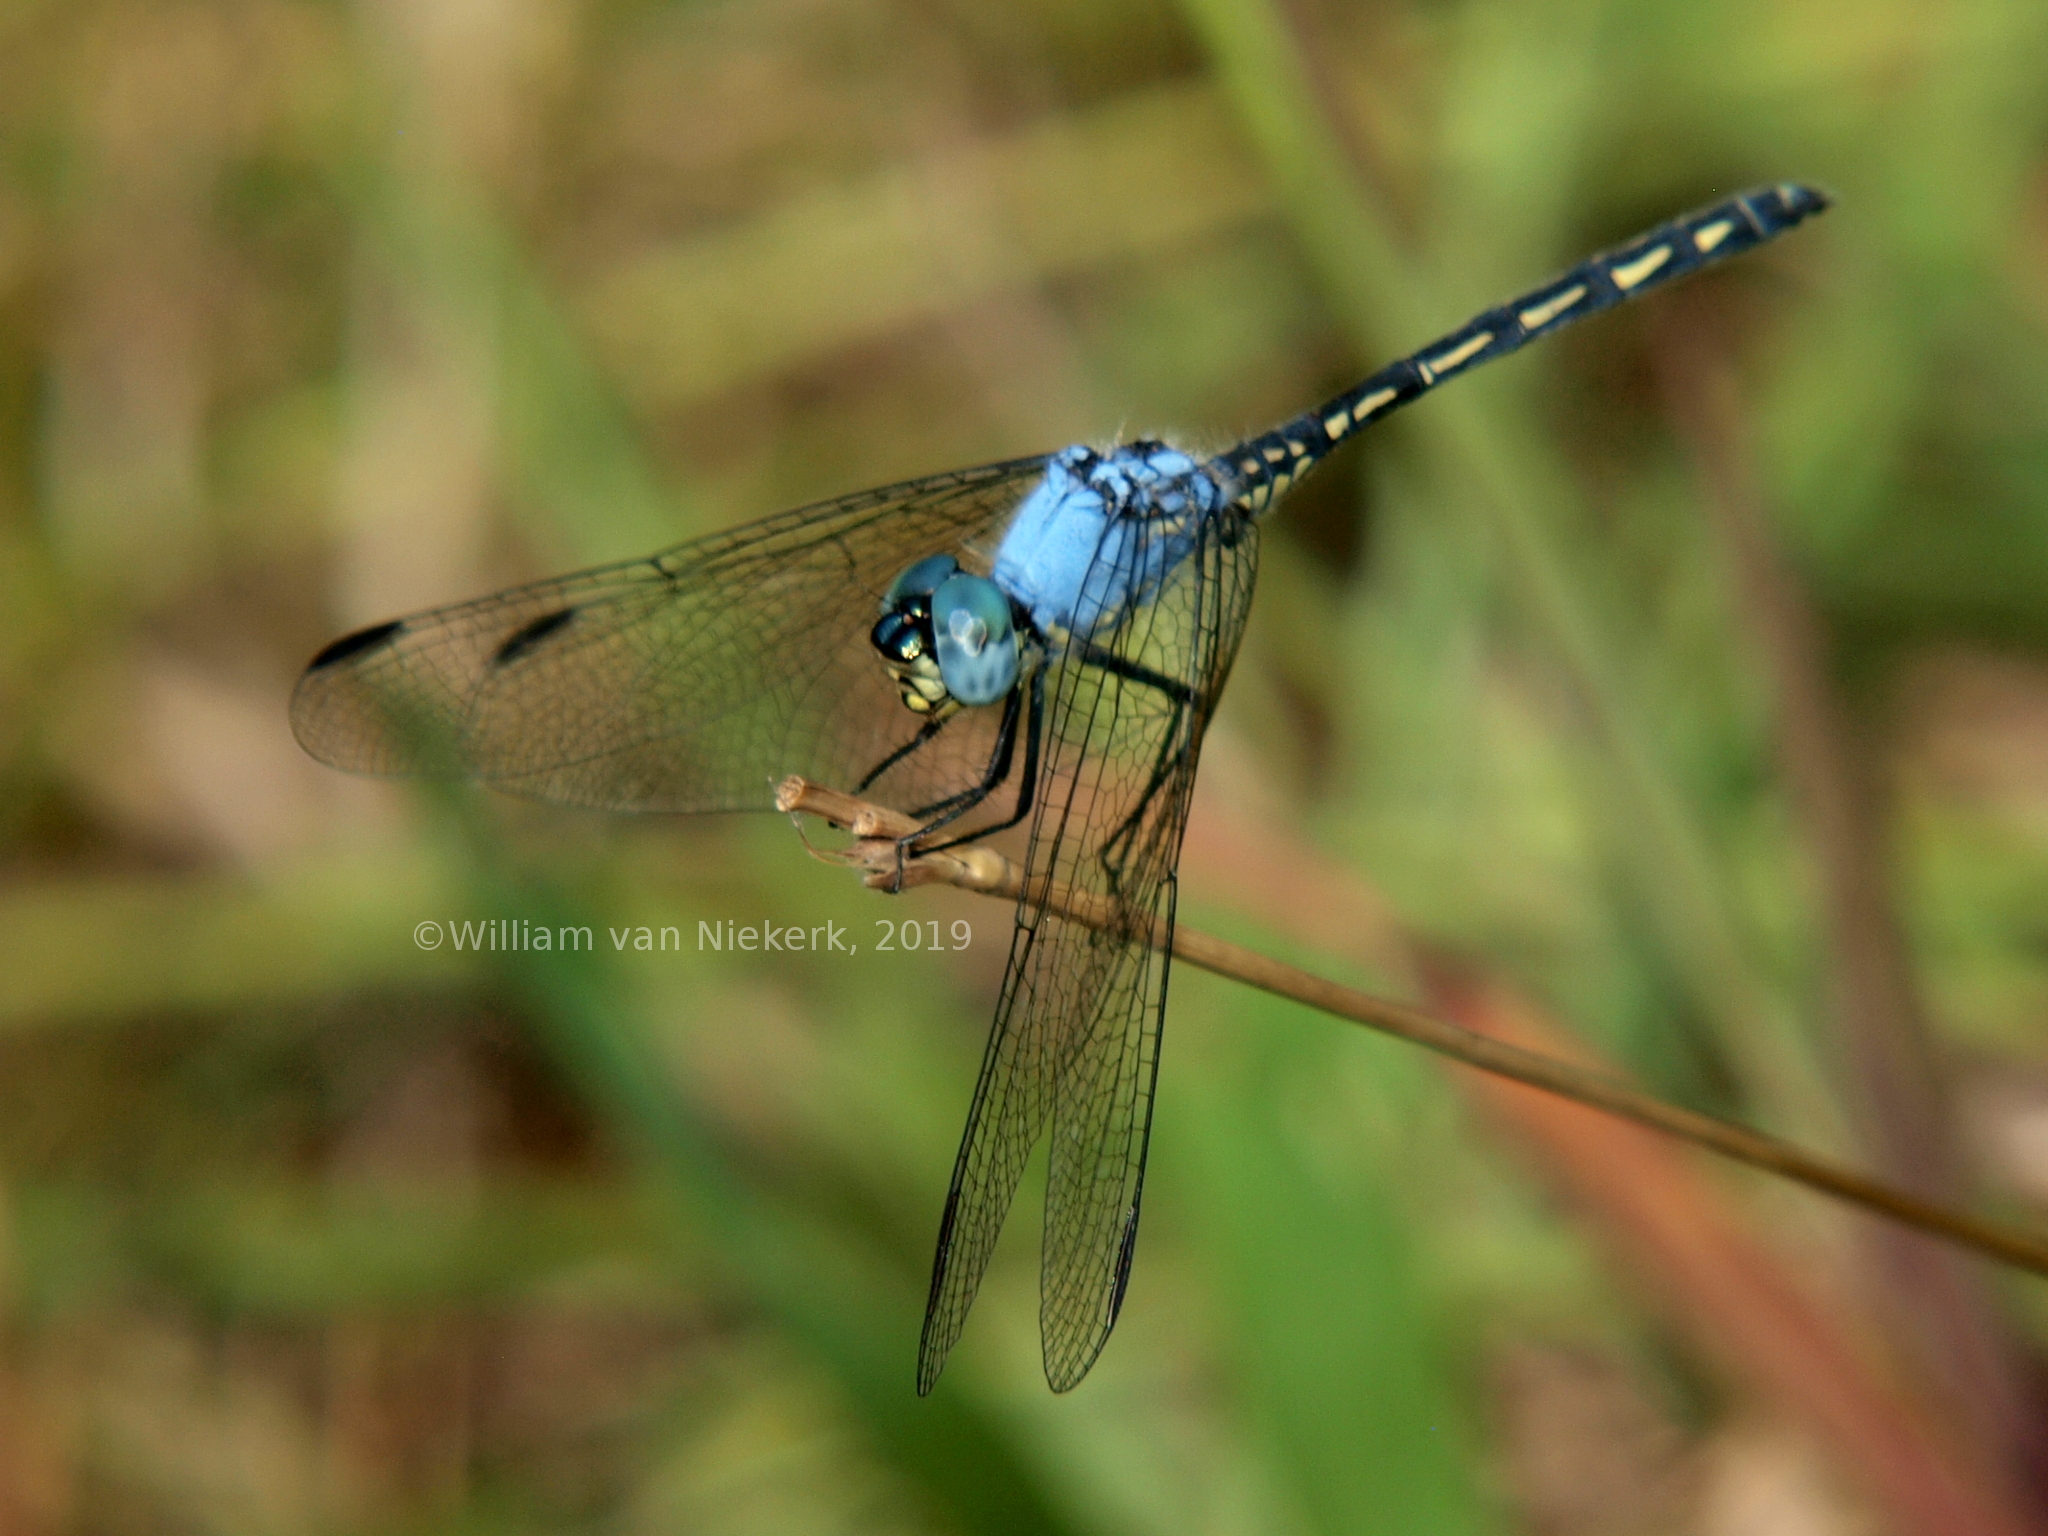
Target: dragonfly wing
{"type": "Point", "coordinates": [688, 681]}
{"type": "Point", "coordinates": [1076, 1036]}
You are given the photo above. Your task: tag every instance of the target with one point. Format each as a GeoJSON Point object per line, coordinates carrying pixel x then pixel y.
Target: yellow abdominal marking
{"type": "Point", "coordinates": [1641, 267]}
{"type": "Point", "coordinates": [1442, 364]}
{"type": "Point", "coordinates": [1345, 421]}
{"type": "Point", "coordinates": [1707, 236]}
{"type": "Point", "coordinates": [1538, 315]}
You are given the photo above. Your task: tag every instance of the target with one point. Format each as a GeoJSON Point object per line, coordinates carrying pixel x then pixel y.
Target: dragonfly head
{"type": "Point", "coordinates": [947, 637]}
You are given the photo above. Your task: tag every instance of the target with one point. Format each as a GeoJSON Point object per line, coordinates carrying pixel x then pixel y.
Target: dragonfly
{"type": "Point", "coordinates": [1040, 642]}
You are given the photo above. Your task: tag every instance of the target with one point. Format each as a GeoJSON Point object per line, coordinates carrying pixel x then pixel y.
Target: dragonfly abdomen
{"type": "Point", "coordinates": [1266, 466]}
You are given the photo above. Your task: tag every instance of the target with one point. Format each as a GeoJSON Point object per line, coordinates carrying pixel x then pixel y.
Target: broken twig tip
{"type": "Point", "coordinates": [882, 850]}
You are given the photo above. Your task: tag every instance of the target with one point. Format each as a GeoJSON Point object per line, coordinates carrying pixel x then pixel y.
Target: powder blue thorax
{"type": "Point", "coordinates": [1101, 532]}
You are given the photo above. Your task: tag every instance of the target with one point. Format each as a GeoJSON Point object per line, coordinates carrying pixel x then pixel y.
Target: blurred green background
{"type": "Point", "coordinates": [1686, 677]}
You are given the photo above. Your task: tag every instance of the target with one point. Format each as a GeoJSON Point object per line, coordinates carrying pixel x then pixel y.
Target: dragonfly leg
{"type": "Point", "coordinates": [932, 726]}
{"type": "Point", "coordinates": [1108, 661]}
{"type": "Point", "coordinates": [1033, 724]}
{"type": "Point", "coordinates": [1172, 748]}
{"type": "Point", "coordinates": [939, 812]}
{"type": "Point", "coordinates": [1116, 847]}
{"type": "Point", "coordinates": [955, 806]}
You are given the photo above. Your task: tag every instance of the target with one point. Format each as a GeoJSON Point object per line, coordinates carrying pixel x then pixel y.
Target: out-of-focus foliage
{"type": "Point", "coordinates": [1688, 674]}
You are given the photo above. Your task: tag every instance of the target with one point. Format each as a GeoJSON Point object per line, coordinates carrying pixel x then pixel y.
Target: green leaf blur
{"type": "Point", "coordinates": [1686, 675]}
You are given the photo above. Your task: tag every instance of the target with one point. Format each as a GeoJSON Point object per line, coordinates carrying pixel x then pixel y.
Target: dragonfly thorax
{"type": "Point", "coordinates": [948, 638]}
{"type": "Point", "coordinates": [1102, 532]}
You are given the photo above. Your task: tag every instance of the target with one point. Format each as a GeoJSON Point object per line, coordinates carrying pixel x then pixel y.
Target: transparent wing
{"type": "Point", "coordinates": [687, 681]}
{"type": "Point", "coordinates": [1076, 1034]}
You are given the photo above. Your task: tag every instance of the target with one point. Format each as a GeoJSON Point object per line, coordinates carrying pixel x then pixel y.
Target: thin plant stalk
{"type": "Point", "coordinates": [879, 854]}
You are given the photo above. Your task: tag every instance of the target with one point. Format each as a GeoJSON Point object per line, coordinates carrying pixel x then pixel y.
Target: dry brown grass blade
{"type": "Point", "coordinates": [885, 864]}
{"type": "Point", "coordinates": [1721, 1285]}
{"type": "Point", "coordinates": [1726, 1289]}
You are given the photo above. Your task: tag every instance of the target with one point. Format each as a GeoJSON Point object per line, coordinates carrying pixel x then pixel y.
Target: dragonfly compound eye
{"type": "Point", "coordinates": [899, 636]}
{"type": "Point", "coordinates": [919, 580]}
{"type": "Point", "coordinates": [974, 638]}
{"type": "Point", "coordinates": [903, 636]}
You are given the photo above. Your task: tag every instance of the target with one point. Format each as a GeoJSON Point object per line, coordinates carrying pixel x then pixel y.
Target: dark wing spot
{"type": "Point", "coordinates": [527, 636]}
{"type": "Point", "coordinates": [354, 645]}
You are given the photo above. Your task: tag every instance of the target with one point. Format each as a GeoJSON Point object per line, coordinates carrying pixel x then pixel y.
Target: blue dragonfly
{"type": "Point", "coordinates": [1042, 640]}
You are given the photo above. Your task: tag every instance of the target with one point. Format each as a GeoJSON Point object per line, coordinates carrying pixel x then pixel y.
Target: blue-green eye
{"type": "Point", "coordinates": [975, 642]}
{"type": "Point", "coordinates": [920, 579]}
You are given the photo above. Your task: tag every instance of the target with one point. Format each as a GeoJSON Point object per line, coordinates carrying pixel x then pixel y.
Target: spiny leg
{"type": "Point", "coordinates": [955, 806]}
{"type": "Point", "coordinates": [1172, 747]}
{"type": "Point", "coordinates": [1108, 661]}
{"type": "Point", "coordinates": [925, 733]}
{"type": "Point", "coordinates": [1033, 724]}
{"type": "Point", "coordinates": [1172, 751]}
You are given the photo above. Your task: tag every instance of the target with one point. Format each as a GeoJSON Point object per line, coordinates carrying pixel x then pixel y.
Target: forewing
{"type": "Point", "coordinates": [688, 681]}
{"type": "Point", "coordinates": [1076, 1034]}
